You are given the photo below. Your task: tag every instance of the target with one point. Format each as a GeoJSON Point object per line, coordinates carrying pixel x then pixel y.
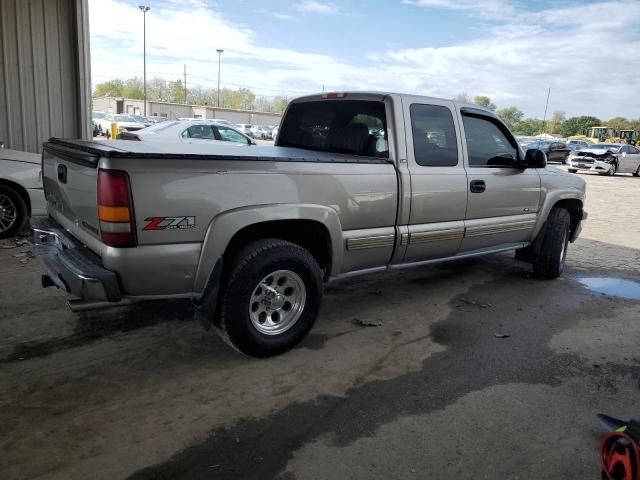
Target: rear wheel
{"type": "Point", "coordinates": [13, 212]}
{"type": "Point", "coordinates": [550, 261]}
{"type": "Point", "coordinates": [271, 298]}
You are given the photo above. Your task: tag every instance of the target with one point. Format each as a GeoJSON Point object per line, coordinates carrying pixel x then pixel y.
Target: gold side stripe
{"type": "Point", "coordinates": [500, 228]}
{"type": "Point", "coordinates": [437, 235]}
{"type": "Point", "coordinates": [370, 242]}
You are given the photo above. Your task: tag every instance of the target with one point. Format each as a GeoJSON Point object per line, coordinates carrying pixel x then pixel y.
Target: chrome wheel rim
{"type": "Point", "coordinates": [8, 213]}
{"type": "Point", "coordinates": [277, 302]}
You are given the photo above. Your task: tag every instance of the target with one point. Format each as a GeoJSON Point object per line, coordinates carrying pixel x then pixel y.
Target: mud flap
{"type": "Point", "coordinates": [530, 253]}
{"type": "Point", "coordinates": [205, 306]}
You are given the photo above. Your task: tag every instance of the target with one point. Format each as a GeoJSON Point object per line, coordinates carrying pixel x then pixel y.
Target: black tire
{"type": "Point", "coordinates": [612, 171]}
{"type": "Point", "coordinates": [573, 170]}
{"type": "Point", "coordinates": [254, 263]}
{"type": "Point", "coordinates": [550, 262]}
{"type": "Point", "coordinates": [13, 211]}
{"type": "Point", "coordinates": [637, 174]}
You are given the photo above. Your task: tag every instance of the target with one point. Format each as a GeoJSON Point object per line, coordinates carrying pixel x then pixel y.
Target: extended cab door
{"type": "Point", "coordinates": [503, 197]}
{"type": "Point", "coordinates": [438, 180]}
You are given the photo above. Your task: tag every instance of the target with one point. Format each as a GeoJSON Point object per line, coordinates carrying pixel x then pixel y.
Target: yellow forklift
{"type": "Point", "coordinates": [629, 136]}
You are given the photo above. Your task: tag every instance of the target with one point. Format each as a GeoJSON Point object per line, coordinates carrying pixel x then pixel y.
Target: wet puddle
{"type": "Point", "coordinates": [615, 287]}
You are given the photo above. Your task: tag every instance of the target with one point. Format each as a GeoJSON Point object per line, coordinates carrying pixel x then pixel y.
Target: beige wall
{"type": "Point", "coordinates": [177, 110]}
{"type": "Point", "coordinates": [45, 84]}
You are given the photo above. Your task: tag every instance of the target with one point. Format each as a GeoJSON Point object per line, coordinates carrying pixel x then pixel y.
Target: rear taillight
{"type": "Point", "coordinates": [115, 209]}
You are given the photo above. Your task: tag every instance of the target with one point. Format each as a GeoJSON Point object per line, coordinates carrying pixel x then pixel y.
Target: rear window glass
{"type": "Point", "coordinates": [356, 127]}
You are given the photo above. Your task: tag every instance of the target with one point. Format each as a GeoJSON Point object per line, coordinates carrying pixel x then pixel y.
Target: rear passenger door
{"type": "Point", "coordinates": [503, 198]}
{"type": "Point", "coordinates": [438, 181]}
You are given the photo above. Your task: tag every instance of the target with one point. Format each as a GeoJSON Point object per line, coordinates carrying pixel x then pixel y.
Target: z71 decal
{"type": "Point", "coordinates": [170, 223]}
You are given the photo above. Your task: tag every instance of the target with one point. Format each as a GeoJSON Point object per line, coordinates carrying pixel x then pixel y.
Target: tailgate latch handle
{"type": "Point", "coordinates": [62, 173]}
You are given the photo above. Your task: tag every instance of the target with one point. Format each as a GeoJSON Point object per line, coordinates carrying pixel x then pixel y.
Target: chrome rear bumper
{"type": "Point", "coordinates": [69, 265]}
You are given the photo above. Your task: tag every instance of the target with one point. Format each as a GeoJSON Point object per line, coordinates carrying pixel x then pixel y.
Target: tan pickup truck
{"type": "Point", "coordinates": [356, 183]}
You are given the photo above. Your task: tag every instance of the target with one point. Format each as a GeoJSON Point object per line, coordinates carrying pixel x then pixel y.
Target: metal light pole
{"type": "Point", "coordinates": [219, 50]}
{"type": "Point", "coordinates": [144, 10]}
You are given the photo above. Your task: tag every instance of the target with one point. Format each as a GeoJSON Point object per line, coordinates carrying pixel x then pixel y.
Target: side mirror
{"type": "Point", "coordinates": [624, 154]}
{"type": "Point", "coordinates": [534, 158]}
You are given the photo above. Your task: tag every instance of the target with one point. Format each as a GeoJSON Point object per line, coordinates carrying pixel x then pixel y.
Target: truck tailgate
{"type": "Point", "coordinates": [70, 184]}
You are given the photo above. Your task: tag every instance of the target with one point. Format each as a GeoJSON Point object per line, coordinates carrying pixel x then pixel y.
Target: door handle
{"type": "Point", "coordinates": [477, 186]}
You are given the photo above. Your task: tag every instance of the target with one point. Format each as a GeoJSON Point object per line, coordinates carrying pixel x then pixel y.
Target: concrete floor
{"type": "Point", "coordinates": [431, 393]}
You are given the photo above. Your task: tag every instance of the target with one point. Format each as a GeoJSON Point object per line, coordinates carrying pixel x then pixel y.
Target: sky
{"type": "Point", "coordinates": [586, 51]}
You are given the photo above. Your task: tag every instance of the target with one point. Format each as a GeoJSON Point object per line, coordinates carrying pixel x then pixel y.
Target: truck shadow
{"type": "Point", "coordinates": [93, 326]}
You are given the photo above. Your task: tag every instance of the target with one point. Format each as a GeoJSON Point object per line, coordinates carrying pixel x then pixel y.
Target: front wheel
{"type": "Point", "coordinates": [573, 170]}
{"type": "Point", "coordinates": [612, 170]}
{"type": "Point", "coordinates": [271, 298]}
{"type": "Point", "coordinates": [13, 212]}
{"type": "Point", "coordinates": [551, 260]}
{"type": "Point", "coordinates": [637, 174]}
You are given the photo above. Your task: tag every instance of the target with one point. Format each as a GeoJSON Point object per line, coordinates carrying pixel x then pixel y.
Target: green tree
{"type": "Point", "coordinates": [619, 123]}
{"type": "Point", "coordinates": [280, 104]}
{"type": "Point", "coordinates": [528, 127]}
{"type": "Point", "coordinates": [577, 125]}
{"type": "Point", "coordinates": [555, 124]}
{"type": "Point", "coordinates": [133, 88]}
{"type": "Point", "coordinates": [484, 102]}
{"type": "Point", "coordinates": [462, 97]}
{"type": "Point", "coordinates": [511, 116]}
{"type": "Point", "coordinates": [111, 88]}
{"type": "Point", "coordinates": [175, 91]}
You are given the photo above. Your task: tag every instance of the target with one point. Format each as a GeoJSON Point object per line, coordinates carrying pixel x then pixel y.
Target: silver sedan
{"type": "Point", "coordinates": [190, 131]}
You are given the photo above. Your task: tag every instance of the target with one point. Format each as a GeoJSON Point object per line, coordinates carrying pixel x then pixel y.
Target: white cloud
{"type": "Point", "coordinates": [487, 8]}
{"type": "Point", "coordinates": [588, 60]}
{"type": "Point", "coordinates": [283, 16]}
{"type": "Point", "coordinates": [311, 6]}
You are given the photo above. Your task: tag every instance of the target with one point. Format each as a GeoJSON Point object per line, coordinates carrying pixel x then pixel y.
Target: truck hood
{"type": "Point", "coordinates": [19, 156]}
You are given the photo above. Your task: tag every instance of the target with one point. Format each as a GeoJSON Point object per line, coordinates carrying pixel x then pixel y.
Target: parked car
{"type": "Point", "coordinates": [577, 144]}
{"type": "Point", "coordinates": [525, 141]}
{"type": "Point", "coordinates": [244, 128]}
{"type": "Point", "coordinates": [141, 119]}
{"type": "Point", "coordinates": [606, 159]}
{"type": "Point", "coordinates": [124, 123]}
{"type": "Point", "coordinates": [274, 132]}
{"type": "Point", "coordinates": [252, 234]}
{"type": "Point", "coordinates": [191, 131]}
{"type": "Point", "coordinates": [556, 151]}
{"type": "Point", "coordinates": [97, 124]}
{"type": "Point", "coordinates": [21, 193]}
{"type": "Point", "coordinates": [261, 131]}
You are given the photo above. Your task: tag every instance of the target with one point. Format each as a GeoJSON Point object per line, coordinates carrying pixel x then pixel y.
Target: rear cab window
{"type": "Point", "coordinates": [434, 136]}
{"type": "Point", "coordinates": [355, 127]}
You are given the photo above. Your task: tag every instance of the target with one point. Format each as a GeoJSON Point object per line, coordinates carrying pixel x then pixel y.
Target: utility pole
{"type": "Point", "coordinates": [144, 9]}
{"type": "Point", "coordinates": [219, 50]}
{"type": "Point", "coordinates": [544, 119]}
{"type": "Point", "coordinates": [185, 84]}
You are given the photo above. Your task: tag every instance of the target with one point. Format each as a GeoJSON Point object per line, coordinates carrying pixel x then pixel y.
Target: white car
{"type": "Point", "coordinates": [189, 131]}
{"type": "Point", "coordinates": [274, 132]}
{"type": "Point", "coordinates": [606, 159]}
{"type": "Point", "coordinates": [21, 192]}
{"type": "Point", "coordinates": [124, 122]}
{"type": "Point", "coordinates": [244, 128]}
